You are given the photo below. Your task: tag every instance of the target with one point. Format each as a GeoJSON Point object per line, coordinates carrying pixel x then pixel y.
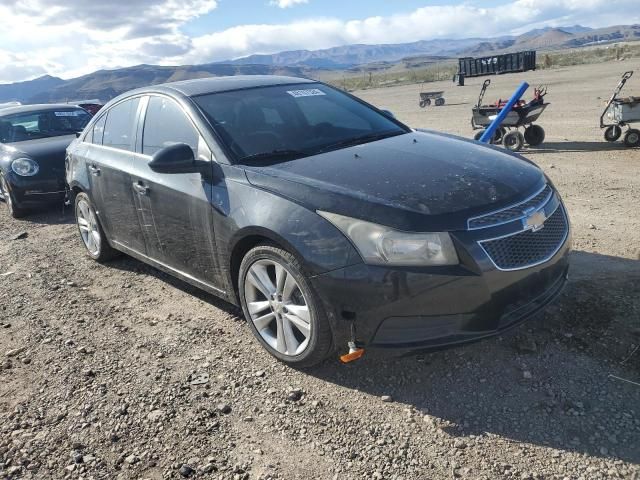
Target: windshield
{"type": "Point", "coordinates": [292, 121]}
{"type": "Point", "coordinates": [20, 127]}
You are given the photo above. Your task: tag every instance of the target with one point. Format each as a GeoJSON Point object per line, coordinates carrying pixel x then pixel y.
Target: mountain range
{"type": "Point", "coordinates": [105, 84]}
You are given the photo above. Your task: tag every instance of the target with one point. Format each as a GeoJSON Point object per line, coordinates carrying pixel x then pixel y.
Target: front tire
{"type": "Point", "coordinates": [282, 308]}
{"type": "Point", "coordinates": [612, 133]}
{"type": "Point", "coordinates": [513, 140]}
{"type": "Point", "coordinates": [9, 201]}
{"type": "Point", "coordinates": [91, 233]}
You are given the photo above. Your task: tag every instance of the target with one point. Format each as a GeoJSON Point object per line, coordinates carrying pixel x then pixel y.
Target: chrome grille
{"type": "Point", "coordinates": [512, 213]}
{"type": "Point", "coordinates": [529, 248]}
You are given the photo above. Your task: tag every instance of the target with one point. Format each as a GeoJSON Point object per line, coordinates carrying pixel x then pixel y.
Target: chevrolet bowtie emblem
{"type": "Point", "coordinates": [534, 220]}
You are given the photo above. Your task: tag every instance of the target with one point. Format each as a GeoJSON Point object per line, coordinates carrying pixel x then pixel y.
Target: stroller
{"type": "Point", "coordinates": [523, 114]}
{"type": "Point", "coordinates": [621, 112]}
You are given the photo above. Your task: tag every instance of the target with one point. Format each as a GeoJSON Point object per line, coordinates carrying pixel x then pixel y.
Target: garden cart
{"type": "Point", "coordinates": [522, 115]}
{"type": "Point", "coordinates": [620, 112]}
{"type": "Point", "coordinates": [427, 97]}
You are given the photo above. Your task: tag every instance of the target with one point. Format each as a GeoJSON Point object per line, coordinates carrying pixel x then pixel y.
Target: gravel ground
{"type": "Point", "coordinates": [119, 371]}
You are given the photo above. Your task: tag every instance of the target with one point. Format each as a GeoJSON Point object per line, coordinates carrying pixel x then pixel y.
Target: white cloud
{"type": "Point", "coordinates": [74, 37]}
{"type": "Point", "coordinates": [448, 21]}
{"type": "Point", "coordinates": [287, 3]}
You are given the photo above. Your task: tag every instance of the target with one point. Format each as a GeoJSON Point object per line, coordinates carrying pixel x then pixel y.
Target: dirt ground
{"type": "Point", "coordinates": [119, 371]}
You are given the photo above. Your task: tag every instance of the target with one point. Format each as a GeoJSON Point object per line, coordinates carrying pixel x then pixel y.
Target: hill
{"type": "Point", "coordinates": [105, 84]}
{"type": "Point", "coordinates": [22, 91]}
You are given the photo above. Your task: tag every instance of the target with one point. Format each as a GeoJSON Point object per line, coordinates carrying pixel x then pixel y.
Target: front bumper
{"type": "Point", "coordinates": [415, 308]}
{"type": "Point", "coordinates": [37, 191]}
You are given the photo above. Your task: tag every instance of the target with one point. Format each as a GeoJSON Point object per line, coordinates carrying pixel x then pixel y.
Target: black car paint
{"type": "Point", "coordinates": [48, 186]}
{"type": "Point", "coordinates": [195, 225]}
{"type": "Point", "coordinates": [377, 181]}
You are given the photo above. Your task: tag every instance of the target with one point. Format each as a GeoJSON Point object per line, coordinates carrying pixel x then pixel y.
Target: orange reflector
{"type": "Point", "coordinates": [351, 356]}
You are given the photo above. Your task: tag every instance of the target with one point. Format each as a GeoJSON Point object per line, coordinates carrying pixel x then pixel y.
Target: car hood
{"type": "Point", "coordinates": [419, 181]}
{"type": "Point", "coordinates": [48, 150]}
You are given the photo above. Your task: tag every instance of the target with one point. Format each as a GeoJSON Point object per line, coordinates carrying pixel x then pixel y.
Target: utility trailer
{"type": "Point", "coordinates": [497, 64]}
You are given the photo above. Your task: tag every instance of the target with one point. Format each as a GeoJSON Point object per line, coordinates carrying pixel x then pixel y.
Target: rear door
{"type": "Point", "coordinates": [175, 209]}
{"type": "Point", "coordinates": [109, 160]}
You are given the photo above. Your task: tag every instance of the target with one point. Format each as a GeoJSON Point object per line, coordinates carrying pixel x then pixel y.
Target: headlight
{"type": "Point", "coordinates": [380, 245]}
{"type": "Point", "coordinates": [25, 167]}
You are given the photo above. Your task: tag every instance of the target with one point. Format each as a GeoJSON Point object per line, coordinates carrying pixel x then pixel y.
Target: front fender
{"type": "Point", "coordinates": [253, 212]}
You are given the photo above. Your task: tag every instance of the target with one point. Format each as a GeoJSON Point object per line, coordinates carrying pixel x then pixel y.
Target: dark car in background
{"type": "Point", "coordinates": [33, 141]}
{"type": "Point", "coordinates": [92, 106]}
{"type": "Point", "coordinates": [327, 220]}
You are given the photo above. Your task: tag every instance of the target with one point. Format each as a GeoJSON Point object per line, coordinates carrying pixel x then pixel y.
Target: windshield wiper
{"type": "Point", "coordinates": [370, 137]}
{"type": "Point", "coordinates": [274, 154]}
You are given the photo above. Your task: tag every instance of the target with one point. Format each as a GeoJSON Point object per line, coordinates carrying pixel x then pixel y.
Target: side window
{"type": "Point", "coordinates": [98, 131]}
{"type": "Point", "coordinates": [165, 124]}
{"type": "Point", "coordinates": [88, 138]}
{"type": "Point", "coordinates": [119, 131]}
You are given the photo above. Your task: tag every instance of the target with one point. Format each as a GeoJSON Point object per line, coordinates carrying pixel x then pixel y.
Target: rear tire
{"type": "Point", "coordinates": [283, 310]}
{"type": "Point", "coordinates": [513, 140]}
{"type": "Point", "coordinates": [91, 233]}
{"type": "Point", "coordinates": [9, 200]}
{"type": "Point", "coordinates": [612, 133]}
{"type": "Point", "coordinates": [439, 102]}
{"type": "Point", "coordinates": [632, 138]}
{"type": "Point", "coordinates": [534, 135]}
{"type": "Point", "coordinates": [423, 103]}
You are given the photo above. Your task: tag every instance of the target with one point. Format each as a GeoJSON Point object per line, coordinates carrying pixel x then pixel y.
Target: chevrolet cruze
{"type": "Point", "coordinates": [332, 224]}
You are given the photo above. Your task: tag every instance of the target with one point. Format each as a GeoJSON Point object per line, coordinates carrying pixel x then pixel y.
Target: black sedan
{"type": "Point", "coordinates": [33, 141]}
{"type": "Point", "coordinates": [330, 223]}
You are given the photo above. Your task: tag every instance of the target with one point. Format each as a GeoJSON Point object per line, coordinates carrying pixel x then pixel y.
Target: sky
{"type": "Point", "coordinates": [69, 38]}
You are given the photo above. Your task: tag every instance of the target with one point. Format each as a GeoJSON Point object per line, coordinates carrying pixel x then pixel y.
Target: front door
{"type": "Point", "coordinates": [175, 208]}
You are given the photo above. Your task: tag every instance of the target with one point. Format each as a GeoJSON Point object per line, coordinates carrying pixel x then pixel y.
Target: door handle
{"type": "Point", "coordinates": [140, 188]}
{"type": "Point", "coordinates": [95, 171]}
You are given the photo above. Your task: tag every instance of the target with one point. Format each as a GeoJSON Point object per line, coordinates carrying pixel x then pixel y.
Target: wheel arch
{"type": "Point", "coordinates": [247, 239]}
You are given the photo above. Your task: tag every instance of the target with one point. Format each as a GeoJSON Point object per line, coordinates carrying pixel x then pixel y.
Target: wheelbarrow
{"type": "Point", "coordinates": [620, 112]}
{"type": "Point", "coordinates": [523, 115]}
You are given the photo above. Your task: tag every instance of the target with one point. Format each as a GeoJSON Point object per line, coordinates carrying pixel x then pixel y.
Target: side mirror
{"type": "Point", "coordinates": [177, 158]}
{"type": "Point", "coordinates": [388, 113]}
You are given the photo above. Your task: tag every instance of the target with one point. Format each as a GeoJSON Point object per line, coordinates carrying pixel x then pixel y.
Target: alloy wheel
{"type": "Point", "coordinates": [4, 193]}
{"type": "Point", "coordinates": [277, 306]}
{"type": "Point", "coordinates": [88, 225]}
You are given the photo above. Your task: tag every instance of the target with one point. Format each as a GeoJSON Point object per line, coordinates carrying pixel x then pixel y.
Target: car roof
{"type": "Point", "coordinates": [44, 107]}
{"type": "Point", "coordinates": [201, 86]}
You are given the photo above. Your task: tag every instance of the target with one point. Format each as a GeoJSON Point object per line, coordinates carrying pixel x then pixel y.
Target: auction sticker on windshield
{"type": "Point", "coordinates": [310, 92]}
{"type": "Point", "coordinates": [74, 113]}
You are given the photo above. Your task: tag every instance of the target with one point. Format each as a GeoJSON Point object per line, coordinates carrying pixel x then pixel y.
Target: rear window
{"type": "Point", "coordinates": [21, 127]}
